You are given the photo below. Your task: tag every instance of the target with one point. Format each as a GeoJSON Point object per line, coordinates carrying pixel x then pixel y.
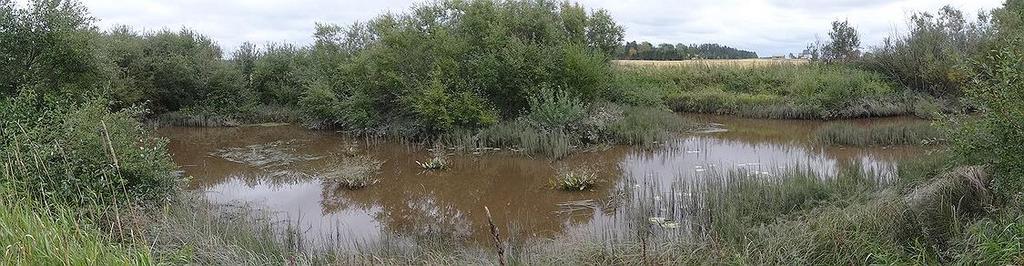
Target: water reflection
{"type": "Point", "coordinates": [278, 167]}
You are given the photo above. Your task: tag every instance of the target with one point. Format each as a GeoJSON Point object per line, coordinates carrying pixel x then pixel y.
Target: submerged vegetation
{"type": "Point", "coordinates": [85, 182]}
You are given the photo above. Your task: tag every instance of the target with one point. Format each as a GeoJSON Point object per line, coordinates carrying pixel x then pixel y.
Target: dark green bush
{"type": "Point", "coordinates": [487, 55]}
{"type": "Point", "coordinates": [280, 73]}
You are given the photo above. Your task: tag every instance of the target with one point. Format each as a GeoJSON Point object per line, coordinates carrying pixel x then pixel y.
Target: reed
{"type": "Point", "coordinates": [193, 119]}
{"type": "Point", "coordinates": [847, 134]}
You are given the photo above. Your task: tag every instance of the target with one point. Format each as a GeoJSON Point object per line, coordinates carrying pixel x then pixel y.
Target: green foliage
{"type": "Point", "coordinates": [457, 71]}
{"type": "Point", "coordinates": [932, 56]}
{"type": "Point", "coordinates": [993, 137]}
{"type": "Point", "coordinates": [47, 46]}
{"type": "Point", "coordinates": [844, 44]}
{"type": "Point", "coordinates": [279, 74]}
{"type": "Point", "coordinates": [184, 69]}
{"type": "Point", "coordinates": [444, 111]}
{"type": "Point", "coordinates": [554, 110]}
{"type": "Point", "coordinates": [83, 154]}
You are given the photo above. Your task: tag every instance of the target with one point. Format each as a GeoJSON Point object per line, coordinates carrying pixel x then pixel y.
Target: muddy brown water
{"type": "Point", "coordinates": [277, 167]}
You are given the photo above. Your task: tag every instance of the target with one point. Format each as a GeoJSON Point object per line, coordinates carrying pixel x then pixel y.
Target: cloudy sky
{"type": "Point", "coordinates": [768, 27]}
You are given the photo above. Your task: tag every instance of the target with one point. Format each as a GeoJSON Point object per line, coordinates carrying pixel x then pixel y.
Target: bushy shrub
{"type": "Point", "coordinates": [483, 57]}
{"type": "Point", "coordinates": [442, 110]}
{"type": "Point", "coordinates": [84, 154]}
{"type": "Point", "coordinates": [994, 136]}
{"type": "Point", "coordinates": [933, 55]}
{"type": "Point", "coordinates": [555, 110]}
{"type": "Point", "coordinates": [280, 73]}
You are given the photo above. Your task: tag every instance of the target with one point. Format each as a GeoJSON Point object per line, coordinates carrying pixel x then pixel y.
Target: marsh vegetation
{"type": "Point", "coordinates": [512, 91]}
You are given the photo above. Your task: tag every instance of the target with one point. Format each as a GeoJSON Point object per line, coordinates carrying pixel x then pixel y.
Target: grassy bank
{"type": "Point", "coordinates": [780, 91]}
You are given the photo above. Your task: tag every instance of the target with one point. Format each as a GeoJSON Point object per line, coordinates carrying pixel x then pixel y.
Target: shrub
{"type": "Point", "coordinates": [932, 56]}
{"type": "Point", "coordinates": [442, 110]}
{"type": "Point", "coordinates": [555, 110]}
{"type": "Point", "coordinates": [994, 136]}
{"type": "Point", "coordinates": [85, 155]}
{"type": "Point", "coordinates": [467, 70]}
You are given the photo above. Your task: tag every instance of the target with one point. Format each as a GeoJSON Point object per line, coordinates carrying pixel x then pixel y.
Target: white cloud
{"type": "Point", "coordinates": [769, 27]}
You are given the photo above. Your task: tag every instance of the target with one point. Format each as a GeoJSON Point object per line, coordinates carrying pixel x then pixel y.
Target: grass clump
{"type": "Point", "coordinates": [848, 134]}
{"type": "Point", "coordinates": [33, 235]}
{"type": "Point", "coordinates": [437, 161]}
{"type": "Point", "coordinates": [575, 179]}
{"type": "Point", "coordinates": [352, 173]}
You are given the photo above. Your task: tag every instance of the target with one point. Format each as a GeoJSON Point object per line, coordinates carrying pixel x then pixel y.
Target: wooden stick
{"type": "Point", "coordinates": [497, 238]}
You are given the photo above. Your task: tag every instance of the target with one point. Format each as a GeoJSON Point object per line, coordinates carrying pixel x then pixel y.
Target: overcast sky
{"type": "Point", "coordinates": [768, 27]}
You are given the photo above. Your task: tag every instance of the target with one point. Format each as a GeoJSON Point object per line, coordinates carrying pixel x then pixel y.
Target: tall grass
{"type": "Point", "coordinates": [795, 217]}
{"type": "Point", "coordinates": [33, 235]}
{"type": "Point", "coordinates": [193, 119]}
{"type": "Point", "coordinates": [848, 134]}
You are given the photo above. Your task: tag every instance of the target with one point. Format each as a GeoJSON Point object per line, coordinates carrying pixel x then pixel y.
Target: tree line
{"type": "Point", "coordinates": [647, 51]}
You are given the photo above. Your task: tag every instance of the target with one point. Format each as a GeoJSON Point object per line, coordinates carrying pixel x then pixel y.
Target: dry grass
{"type": "Point", "coordinates": [712, 62]}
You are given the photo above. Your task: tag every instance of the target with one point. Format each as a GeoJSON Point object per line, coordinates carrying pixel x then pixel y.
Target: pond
{"type": "Point", "coordinates": [277, 167]}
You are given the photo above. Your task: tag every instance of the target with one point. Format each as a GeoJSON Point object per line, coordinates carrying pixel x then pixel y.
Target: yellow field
{"type": "Point", "coordinates": [711, 62]}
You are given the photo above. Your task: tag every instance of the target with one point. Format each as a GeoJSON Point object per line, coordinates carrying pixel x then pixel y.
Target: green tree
{"type": "Point", "coordinates": [844, 45]}
{"type": "Point", "coordinates": [47, 46]}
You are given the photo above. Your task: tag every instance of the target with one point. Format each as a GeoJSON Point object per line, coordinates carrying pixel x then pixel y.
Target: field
{"type": "Point", "coordinates": [712, 62]}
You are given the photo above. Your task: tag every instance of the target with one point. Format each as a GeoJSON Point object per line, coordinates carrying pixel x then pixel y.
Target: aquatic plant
{"type": "Point", "coordinates": [576, 179]}
{"type": "Point", "coordinates": [352, 172]}
{"type": "Point", "coordinates": [434, 163]}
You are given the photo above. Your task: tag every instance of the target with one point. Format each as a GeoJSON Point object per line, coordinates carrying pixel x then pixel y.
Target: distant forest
{"type": "Point", "coordinates": [647, 51]}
